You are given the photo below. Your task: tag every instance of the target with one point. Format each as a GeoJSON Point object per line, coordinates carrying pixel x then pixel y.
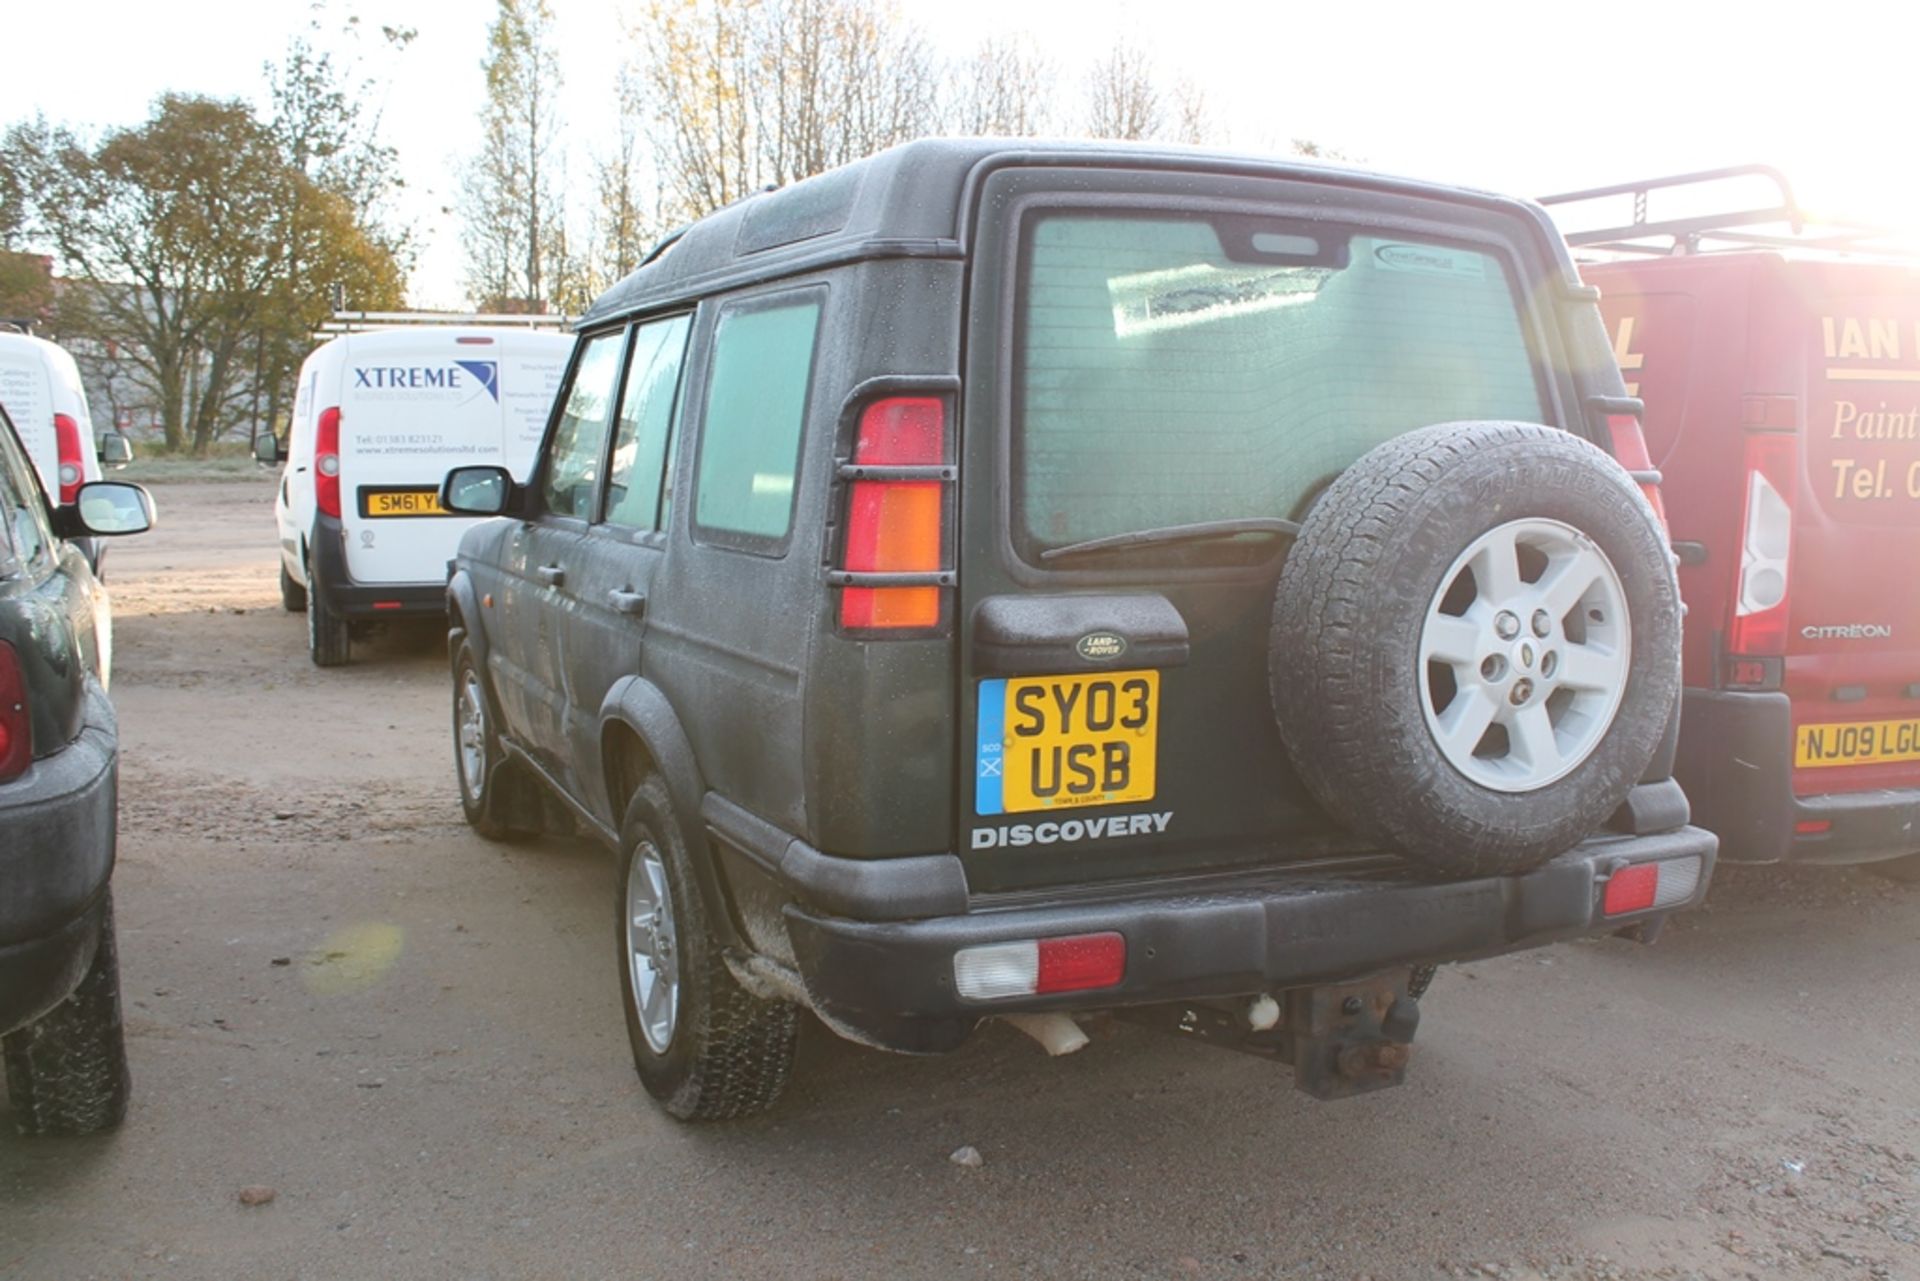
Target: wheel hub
{"type": "Point", "coordinates": [651, 955]}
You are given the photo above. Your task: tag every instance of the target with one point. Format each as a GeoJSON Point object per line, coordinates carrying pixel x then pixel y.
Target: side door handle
{"type": "Point", "coordinates": [626, 602]}
{"type": "Point", "coordinates": [551, 575]}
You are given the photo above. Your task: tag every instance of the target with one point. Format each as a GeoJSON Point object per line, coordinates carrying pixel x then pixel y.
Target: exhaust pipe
{"type": "Point", "coordinates": [1057, 1033]}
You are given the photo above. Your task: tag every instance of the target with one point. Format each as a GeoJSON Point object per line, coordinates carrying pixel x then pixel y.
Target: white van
{"type": "Point", "coordinates": [378, 419]}
{"type": "Point", "coordinates": [40, 386]}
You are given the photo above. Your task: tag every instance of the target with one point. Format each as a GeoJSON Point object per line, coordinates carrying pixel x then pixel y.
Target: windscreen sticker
{"type": "Point", "coordinates": [1429, 260]}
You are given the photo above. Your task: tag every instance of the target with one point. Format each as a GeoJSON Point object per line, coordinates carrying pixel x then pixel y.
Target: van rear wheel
{"type": "Point", "coordinates": [328, 641]}
{"type": "Point", "coordinates": [293, 597]}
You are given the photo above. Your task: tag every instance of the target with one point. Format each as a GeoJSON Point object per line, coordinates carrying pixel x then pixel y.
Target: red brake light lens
{"type": "Point", "coordinates": [1643, 886]}
{"type": "Point", "coordinates": [894, 526]}
{"type": "Point", "coordinates": [326, 462]}
{"type": "Point", "coordinates": [16, 731]}
{"type": "Point", "coordinates": [1081, 962]}
{"type": "Point", "coordinates": [72, 470]}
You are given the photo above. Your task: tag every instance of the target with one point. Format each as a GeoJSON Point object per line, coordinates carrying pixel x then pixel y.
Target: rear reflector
{"type": "Point", "coordinates": [66, 434]}
{"type": "Point", "coordinates": [16, 731]}
{"type": "Point", "coordinates": [893, 526]}
{"type": "Point", "coordinates": [1813, 827]}
{"type": "Point", "coordinates": [1036, 967]}
{"type": "Point", "coordinates": [386, 604]}
{"type": "Point", "coordinates": [1647, 886]}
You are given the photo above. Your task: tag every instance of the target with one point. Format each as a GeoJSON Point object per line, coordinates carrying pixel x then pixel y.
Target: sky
{"type": "Point", "coordinates": [1522, 97]}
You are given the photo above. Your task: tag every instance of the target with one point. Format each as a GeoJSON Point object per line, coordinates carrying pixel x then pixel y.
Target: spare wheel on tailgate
{"type": "Point", "coordinates": [1476, 644]}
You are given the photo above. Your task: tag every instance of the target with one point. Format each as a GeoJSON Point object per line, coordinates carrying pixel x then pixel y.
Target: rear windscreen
{"type": "Point", "coordinates": [1183, 369]}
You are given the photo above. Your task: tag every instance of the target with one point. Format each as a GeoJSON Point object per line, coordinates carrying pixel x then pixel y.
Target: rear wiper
{"type": "Point", "coordinates": [1200, 532]}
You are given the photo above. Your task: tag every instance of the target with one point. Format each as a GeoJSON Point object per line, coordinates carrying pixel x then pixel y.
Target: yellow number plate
{"type": "Point", "coordinates": [1055, 742]}
{"type": "Point", "coordinates": [1856, 743]}
{"type": "Point", "coordinates": [405, 502]}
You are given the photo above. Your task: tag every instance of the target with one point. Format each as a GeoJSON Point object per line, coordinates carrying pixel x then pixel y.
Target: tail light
{"type": "Point", "coordinates": [326, 462]}
{"type": "Point", "coordinates": [1037, 967]}
{"type": "Point", "coordinates": [1630, 447]}
{"type": "Point", "coordinates": [1646, 887]}
{"type": "Point", "coordinates": [892, 572]}
{"type": "Point", "coordinates": [1760, 594]}
{"type": "Point", "coordinates": [72, 471]}
{"type": "Point", "coordinates": [16, 733]}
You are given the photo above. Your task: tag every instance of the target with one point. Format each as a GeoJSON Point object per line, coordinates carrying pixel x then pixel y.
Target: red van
{"type": "Point", "coordinates": [1781, 377]}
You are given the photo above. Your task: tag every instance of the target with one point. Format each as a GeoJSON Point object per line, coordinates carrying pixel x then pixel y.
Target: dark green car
{"type": "Point", "coordinates": [1014, 580]}
{"type": "Point", "coordinates": [60, 1035]}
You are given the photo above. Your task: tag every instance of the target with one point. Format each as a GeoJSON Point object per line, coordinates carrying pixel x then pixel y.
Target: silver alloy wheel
{"type": "Point", "coordinates": [1524, 655]}
{"type": "Point", "coordinates": [650, 947]}
{"type": "Point", "coordinates": [472, 715]}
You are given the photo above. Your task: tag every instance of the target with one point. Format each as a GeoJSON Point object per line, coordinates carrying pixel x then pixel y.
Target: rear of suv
{"type": "Point", "coordinates": [1014, 580]}
{"type": "Point", "coordinates": [1782, 385]}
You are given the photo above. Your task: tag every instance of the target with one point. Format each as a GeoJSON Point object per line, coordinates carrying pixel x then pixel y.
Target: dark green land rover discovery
{"type": "Point", "coordinates": [1017, 580]}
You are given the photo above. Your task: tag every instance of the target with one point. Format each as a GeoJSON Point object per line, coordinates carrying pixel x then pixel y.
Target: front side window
{"type": "Point", "coordinates": [750, 436]}
{"type": "Point", "coordinates": [580, 437]}
{"type": "Point", "coordinates": [638, 470]}
{"type": "Point", "coordinates": [1177, 370]}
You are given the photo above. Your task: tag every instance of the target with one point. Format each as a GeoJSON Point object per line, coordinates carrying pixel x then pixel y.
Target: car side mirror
{"type": "Point", "coordinates": [477, 491]}
{"type": "Point", "coordinates": [106, 509]}
{"type": "Point", "coordinates": [267, 449]}
{"type": "Point", "coordinates": [115, 450]}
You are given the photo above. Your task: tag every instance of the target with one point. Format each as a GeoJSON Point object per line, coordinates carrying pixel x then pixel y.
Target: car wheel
{"type": "Point", "coordinates": [1476, 645]}
{"type": "Point", "coordinates": [704, 1046]}
{"type": "Point", "coordinates": [492, 793]}
{"type": "Point", "coordinates": [67, 1073]}
{"type": "Point", "coordinates": [328, 640]}
{"type": "Point", "coordinates": [293, 597]}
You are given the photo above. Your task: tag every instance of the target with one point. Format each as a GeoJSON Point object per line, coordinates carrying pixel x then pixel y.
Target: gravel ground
{"type": "Point", "coordinates": [406, 1044]}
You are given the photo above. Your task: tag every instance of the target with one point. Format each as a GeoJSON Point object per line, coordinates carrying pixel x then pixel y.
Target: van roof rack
{"type": "Point", "coordinates": [1778, 223]}
{"type": "Point", "coordinates": [355, 322]}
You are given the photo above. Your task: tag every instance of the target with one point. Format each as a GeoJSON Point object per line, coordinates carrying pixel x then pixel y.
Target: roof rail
{"type": "Point", "coordinates": [1782, 224]}
{"type": "Point", "coordinates": [354, 322]}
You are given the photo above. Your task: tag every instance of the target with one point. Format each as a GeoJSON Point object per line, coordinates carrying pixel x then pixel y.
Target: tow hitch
{"type": "Point", "coordinates": [1342, 1039]}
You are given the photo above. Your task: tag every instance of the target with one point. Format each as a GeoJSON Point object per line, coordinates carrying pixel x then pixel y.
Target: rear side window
{"type": "Point", "coordinates": [750, 436]}
{"type": "Point", "coordinates": [26, 539]}
{"type": "Point", "coordinates": [580, 437]}
{"type": "Point", "coordinates": [1175, 370]}
{"type": "Point", "coordinates": [646, 422]}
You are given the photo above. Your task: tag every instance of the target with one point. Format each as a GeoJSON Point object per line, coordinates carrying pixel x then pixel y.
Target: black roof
{"type": "Point", "coordinates": [911, 200]}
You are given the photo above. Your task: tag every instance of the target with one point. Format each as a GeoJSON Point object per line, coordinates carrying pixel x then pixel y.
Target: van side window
{"type": "Point", "coordinates": [646, 422]}
{"type": "Point", "coordinates": [580, 437]}
{"type": "Point", "coordinates": [750, 437]}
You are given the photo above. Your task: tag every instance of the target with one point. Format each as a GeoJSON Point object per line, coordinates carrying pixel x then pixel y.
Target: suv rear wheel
{"type": "Point", "coordinates": [67, 1073]}
{"type": "Point", "coordinates": [491, 795]}
{"type": "Point", "coordinates": [1476, 644]}
{"type": "Point", "coordinates": [707, 1048]}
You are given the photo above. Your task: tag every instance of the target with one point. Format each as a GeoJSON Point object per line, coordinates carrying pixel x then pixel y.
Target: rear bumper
{"type": "Point", "coordinates": [1736, 764]}
{"type": "Point", "coordinates": [55, 862]}
{"type": "Point", "coordinates": [891, 983]}
{"type": "Point", "coordinates": [347, 598]}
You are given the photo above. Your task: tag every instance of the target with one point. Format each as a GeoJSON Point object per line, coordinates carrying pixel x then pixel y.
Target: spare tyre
{"type": "Point", "coordinates": [1476, 644]}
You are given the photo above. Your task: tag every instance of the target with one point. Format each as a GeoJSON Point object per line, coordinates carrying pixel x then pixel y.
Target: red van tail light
{"type": "Point", "coordinates": [326, 462]}
{"type": "Point", "coordinates": [1630, 448]}
{"type": "Point", "coordinates": [72, 471]}
{"type": "Point", "coordinates": [16, 731]}
{"type": "Point", "coordinates": [894, 516]}
{"type": "Point", "coordinates": [1760, 592]}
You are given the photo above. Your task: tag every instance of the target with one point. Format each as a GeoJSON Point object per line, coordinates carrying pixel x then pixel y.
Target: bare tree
{"type": "Point", "coordinates": [1122, 101]}
{"type": "Point", "coordinates": [1004, 90]}
{"type": "Point", "coordinates": [696, 78]}
{"type": "Point", "coordinates": [510, 195]}
{"type": "Point", "coordinates": [626, 208]}
{"type": "Point", "coordinates": [1192, 115]}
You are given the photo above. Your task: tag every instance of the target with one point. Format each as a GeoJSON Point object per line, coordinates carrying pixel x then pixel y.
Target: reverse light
{"type": "Point", "coordinates": [1037, 967]}
{"type": "Point", "coordinates": [1630, 448]}
{"type": "Point", "coordinates": [326, 462]}
{"type": "Point", "coordinates": [1649, 886]}
{"type": "Point", "coordinates": [16, 731]}
{"type": "Point", "coordinates": [66, 435]}
{"type": "Point", "coordinates": [1760, 593]}
{"type": "Point", "coordinates": [894, 524]}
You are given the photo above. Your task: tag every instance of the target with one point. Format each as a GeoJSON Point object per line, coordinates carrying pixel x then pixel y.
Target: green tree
{"type": "Point", "coordinates": [510, 193]}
